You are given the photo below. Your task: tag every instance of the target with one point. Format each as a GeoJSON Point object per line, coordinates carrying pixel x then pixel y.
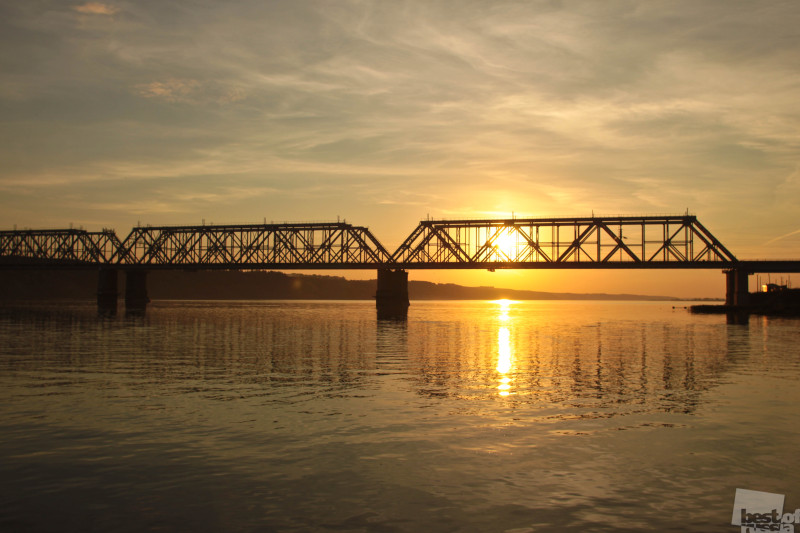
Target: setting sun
{"type": "Point", "coordinates": [505, 244]}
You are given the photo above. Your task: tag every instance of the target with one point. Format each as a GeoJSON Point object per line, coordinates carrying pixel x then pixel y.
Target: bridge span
{"type": "Point", "coordinates": [621, 242]}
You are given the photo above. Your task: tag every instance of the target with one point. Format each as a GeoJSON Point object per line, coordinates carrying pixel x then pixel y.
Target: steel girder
{"type": "Point", "coordinates": [593, 242]}
{"type": "Point", "coordinates": [323, 245]}
{"type": "Point", "coordinates": [59, 246]}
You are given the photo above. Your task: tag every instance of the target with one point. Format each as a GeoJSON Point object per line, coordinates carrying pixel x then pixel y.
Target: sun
{"type": "Point", "coordinates": [506, 244]}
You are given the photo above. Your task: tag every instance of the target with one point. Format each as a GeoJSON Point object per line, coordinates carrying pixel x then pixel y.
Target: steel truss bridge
{"type": "Point", "coordinates": [654, 242]}
{"type": "Point", "coordinates": [627, 242]}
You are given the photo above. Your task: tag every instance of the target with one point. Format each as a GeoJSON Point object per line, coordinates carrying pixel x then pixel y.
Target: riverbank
{"type": "Point", "coordinates": [778, 302]}
{"type": "Point", "coordinates": [262, 285]}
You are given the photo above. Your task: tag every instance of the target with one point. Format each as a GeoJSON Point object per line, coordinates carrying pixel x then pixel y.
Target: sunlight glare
{"type": "Point", "coordinates": [504, 360]}
{"type": "Point", "coordinates": [504, 307]}
{"type": "Point", "coordinates": [506, 245]}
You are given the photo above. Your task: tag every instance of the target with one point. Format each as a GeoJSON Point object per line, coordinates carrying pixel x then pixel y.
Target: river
{"type": "Point", "coordinates": [478, 416]}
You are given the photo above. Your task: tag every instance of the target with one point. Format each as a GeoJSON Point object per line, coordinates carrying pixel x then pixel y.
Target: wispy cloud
{"type": "Point", "coordinates": [171, 90]}
{"type": "Point", "coordinates": [776, 239]}
{"type": "Point", "coordinates": [96, 8]}
{"type": "Point", "coordinates": [189, 91]}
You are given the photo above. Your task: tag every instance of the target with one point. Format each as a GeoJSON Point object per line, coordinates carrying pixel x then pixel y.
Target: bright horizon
{"type": "Point", "coordinates": [118, 113]}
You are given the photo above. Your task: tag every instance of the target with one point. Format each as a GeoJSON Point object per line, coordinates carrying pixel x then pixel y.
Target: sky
{"type": "Point", "coordinates": [383, 113]}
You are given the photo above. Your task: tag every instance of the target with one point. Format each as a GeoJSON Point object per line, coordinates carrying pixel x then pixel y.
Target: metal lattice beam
{"type": "Point", "coordinates": [325, 245]}
{"type": "Point", "coordinates": [592, 242]}
{"type": "Point", "coordinates": [59, 246]}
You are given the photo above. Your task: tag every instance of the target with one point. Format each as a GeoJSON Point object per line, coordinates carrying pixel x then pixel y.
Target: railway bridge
{"type": "Point", "coordinates": [620, 242]}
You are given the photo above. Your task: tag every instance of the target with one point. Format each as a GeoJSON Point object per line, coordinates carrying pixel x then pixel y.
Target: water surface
{"type": "Point", "coordinates": [468, 416]}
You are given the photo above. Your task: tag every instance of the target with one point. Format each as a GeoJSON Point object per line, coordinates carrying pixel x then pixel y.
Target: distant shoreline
{"type": "Point", "coordinates": [268, 285]}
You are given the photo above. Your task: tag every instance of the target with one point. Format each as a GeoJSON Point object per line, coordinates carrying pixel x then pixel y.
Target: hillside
{"type": "Point", "coordinates": [260, 285]}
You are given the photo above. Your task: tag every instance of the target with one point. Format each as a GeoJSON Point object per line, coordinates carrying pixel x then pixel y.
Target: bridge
{"type": "Point", "coordinates": [621, 242]}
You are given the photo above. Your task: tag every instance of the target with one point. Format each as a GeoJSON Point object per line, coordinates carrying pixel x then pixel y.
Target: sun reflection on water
{"type": "Point", "coordinates": [505, 359]}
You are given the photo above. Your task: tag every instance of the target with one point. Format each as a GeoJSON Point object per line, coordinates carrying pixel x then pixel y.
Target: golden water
{"type": "Point", "coordinates": [469, 416]}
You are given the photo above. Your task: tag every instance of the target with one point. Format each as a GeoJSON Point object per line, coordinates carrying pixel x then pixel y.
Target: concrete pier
{"type": "Point", "coordinates": [107, 292]}
{"type": "Point", "coordinates": [736, 287]}
{"type": "Point", "coordinates": [391, 298]}
{"type": "Point", "coordinates": [136, 299]}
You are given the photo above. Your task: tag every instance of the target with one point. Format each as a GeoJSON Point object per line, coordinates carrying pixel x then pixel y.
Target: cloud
{"type": "Point", "coordinates": [190, 91]}
{"type": "Point", "coordinates": [171, 90]}
{"type": "Point", "coordinates": [96, 8]}
{"type": "Point", "coordinates": [451, 107]}
{"type": "Point", "coordinates": [776, 239]}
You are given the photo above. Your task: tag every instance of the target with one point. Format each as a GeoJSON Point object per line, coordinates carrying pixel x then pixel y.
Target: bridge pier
{"type": "Point", "coordinates": [391, 298]}
{"type": "Point", "coordinates": [737, 291]}
{"type": "Point", "coordinates": [136, 299]}
{"type": "Point", "coordinates": [107, 291]}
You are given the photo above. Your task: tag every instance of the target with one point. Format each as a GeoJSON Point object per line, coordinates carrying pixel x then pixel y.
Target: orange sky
{"type": "Point", "coordinates": [384, 113]}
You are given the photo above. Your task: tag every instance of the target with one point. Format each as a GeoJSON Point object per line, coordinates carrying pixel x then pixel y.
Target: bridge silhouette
{"type": "Point", "coordinates": [621, 242]}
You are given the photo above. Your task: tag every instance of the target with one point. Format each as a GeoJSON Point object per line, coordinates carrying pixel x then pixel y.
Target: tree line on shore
{"type": "Point", "coordinates": [259, 285]}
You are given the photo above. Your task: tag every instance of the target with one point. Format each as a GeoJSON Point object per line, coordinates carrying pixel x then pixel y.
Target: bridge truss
{"type": "Point", "coordinates": [618, 242]}
{"type": "Point", "coordinates": [324, 245]}
{"type": "Point", "coordinates": [62, 247]}
{"type": "Point", "coordinates": [591, 242]}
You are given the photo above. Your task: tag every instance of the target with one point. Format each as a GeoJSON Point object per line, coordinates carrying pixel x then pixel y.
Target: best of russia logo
{"type": "Point", "coordinates": [756, 511]}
